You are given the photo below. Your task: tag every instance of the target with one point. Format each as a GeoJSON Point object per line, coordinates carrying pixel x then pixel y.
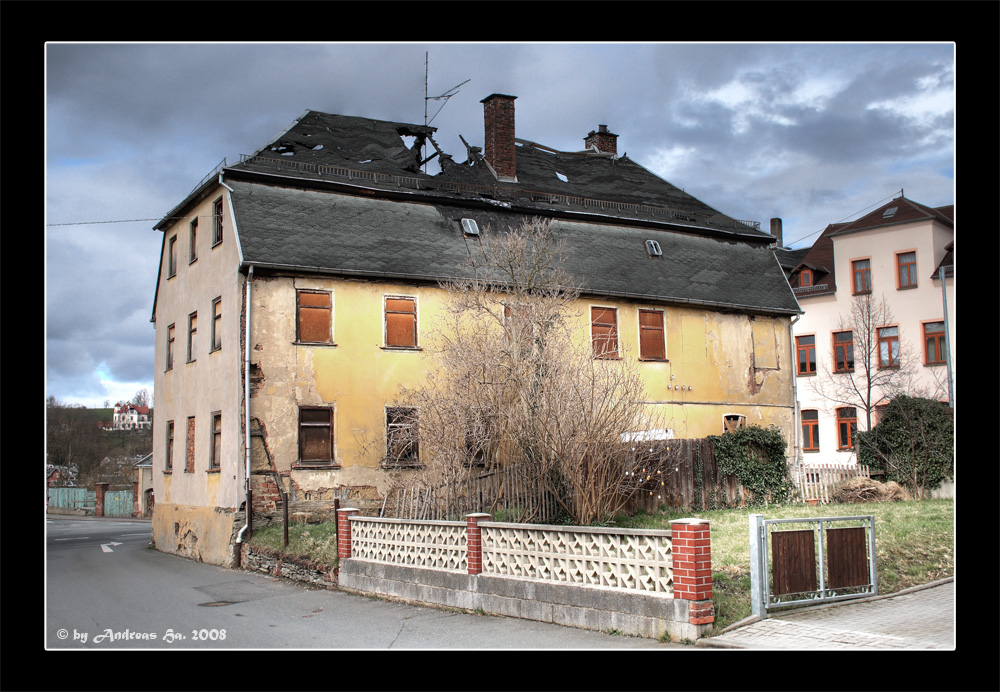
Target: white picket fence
{"type": "Point", "coordinates": [819, 481]}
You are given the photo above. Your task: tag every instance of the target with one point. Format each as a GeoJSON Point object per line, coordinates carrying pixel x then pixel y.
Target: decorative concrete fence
{"type": "Point", "coordinates": [635, 581]}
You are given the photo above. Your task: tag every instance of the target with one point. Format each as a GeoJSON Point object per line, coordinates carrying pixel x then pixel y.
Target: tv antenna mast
{"type": "Point", "coordinates": [443, 97]}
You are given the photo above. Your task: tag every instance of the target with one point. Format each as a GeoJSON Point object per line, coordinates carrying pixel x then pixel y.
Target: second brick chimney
{"type": "Point", "coordinates": [602, 139]}
{"type": "Point", "coordinates": [499, 147]}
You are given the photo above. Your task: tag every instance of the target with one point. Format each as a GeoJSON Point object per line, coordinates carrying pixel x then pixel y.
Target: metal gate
{"type": "Point", "coordinates": [832, 559]}
{"type": "Point", "coordinates": [118, 503]}
{"type": "Point", "coordinates": [72, 498]}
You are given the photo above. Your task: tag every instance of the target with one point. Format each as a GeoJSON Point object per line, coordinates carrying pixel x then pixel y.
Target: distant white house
{"type": "Point", "coordinates": [130, 417]}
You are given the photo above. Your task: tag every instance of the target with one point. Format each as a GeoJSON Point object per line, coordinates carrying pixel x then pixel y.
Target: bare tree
{"type": "Point", "coordinates": [872, 364]}
{"type": "Point", "coordinates": [516, 383]}
{"type": "Point", "coordinates": [141, 398]}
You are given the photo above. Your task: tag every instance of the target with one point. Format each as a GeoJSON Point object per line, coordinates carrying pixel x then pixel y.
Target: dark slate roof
{"type": "Point", "coordinates": [323, 231]}
{"type": "Point", "coordinates": [382, 155]}
{"type": "Point", "coordinates": [899, 210]}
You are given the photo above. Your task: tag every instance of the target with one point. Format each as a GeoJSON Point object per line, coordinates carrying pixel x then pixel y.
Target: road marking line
{"type": "Point", "coordinates": [106, 547]}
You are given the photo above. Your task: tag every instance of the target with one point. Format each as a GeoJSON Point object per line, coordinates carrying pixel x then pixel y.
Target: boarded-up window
{"type": "Point", "coordinates": [215, 459]}
{"type": "Point", "coordinates": [401, 322]}
{"type": "Point", "coordinates": [314, 310]}
{"type": "Point", "coordinates": [604, 331]}
{"type": "Point", "coordinates": [651, 343]}
{"type": "Point", "coordinates": [315, 435]}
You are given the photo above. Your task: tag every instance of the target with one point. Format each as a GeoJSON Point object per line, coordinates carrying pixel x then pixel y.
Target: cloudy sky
{"type": "Point", "coordinates": [811, 133]}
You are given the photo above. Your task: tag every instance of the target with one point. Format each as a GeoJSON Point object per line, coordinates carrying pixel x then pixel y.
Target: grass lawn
{"type": "Point", "coordinates": [914, 541]}
{"type": "Point", "coordinates": [315, 541]}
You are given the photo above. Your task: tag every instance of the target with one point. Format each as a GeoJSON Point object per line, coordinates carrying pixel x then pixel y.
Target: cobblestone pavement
{"type": "Point", "coordinates": [919, 618]}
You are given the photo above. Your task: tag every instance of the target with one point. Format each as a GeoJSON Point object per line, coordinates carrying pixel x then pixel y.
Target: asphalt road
{"type": "Point", "coordinates": [106, 589]}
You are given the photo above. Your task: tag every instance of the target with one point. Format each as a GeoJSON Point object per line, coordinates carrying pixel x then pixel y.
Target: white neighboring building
{"type": "Point", "coordinates": [895, 252]}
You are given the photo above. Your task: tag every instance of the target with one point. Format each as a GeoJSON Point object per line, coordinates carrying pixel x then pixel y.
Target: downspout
{"type": "Point", "coordinates": [947, 338]}
{"type": "Point", "coordinates": [795, 393]}
{"type": "Point", "coordinates": [246, 401]}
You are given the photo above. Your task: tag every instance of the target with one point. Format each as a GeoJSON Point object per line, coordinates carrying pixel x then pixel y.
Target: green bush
{"type": "Point", "coordinates": [913, 443]}
{"type": "Point", "coordinates": [756, 456]}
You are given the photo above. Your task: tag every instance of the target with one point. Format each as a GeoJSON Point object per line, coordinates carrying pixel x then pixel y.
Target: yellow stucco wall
{"type": "Point", "coordinates": [197, 532]}
{"type": "Point", "coordinates": [717, 364]}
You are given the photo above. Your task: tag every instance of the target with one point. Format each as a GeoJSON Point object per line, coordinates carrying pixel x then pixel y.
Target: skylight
{"type": "Point", "coordinates": [653, 248]}
{"type": "Point", "coordinates": [889, 213]}
{"type": "Point", "coordinates": [470, 227]}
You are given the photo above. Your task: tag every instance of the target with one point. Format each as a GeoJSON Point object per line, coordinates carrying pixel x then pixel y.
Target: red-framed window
{"type": "Point", "coordinates": [888, 347]}
{"type": "Point", "coordinates": [861, 276]}
{"type": "Point", "coordinates": [805, 347]}
{"type": "Point", "coordinates": [847, 427]}
{"type": "Point", "coordinates": [843, 351]}
{"type": "Point", "coordinates": [906, 269]}
{"type": "Point", "coordinates": [810, 431]}
{"type": "Point", "coordinates": [805, 278]}
{"type": "Point", "coordinates": [934, 353]}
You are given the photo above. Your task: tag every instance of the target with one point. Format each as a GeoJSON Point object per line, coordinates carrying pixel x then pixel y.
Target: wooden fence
{"type": "Point", "coordinates": [820, 481]}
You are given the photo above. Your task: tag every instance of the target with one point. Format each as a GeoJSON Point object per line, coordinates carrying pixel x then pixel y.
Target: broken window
{"type": "Point", "coordinates": [316, 435]}
{"type": "Point", "coordinates": [217, 324]}
{"type": "Point", "coordinates": [480, 436]}
{"type": "Point", "coordinates": [215, 455]}
{"type": "Point", "coordinates": [172, 257]}
{"type": "Point", "coordinates": [217, 222]}
{"type": "Point", "coordinates": [604, 331]}
{"type": "Point", "coordinates": [192, 331]}
{"type": "Point", "coordinates": [315, 309]}
{"type": "Point", "coordinates": [168, 463]}
{"type": "Point", "coordinates": [651, 342]}
{"type": "Point", "coordinates": [733, 422]}
{"type": "Point", "coordinates": [170, 347]}
{"type": "Point", "coordinates": [401, 322]}
{"type": "Point", "coordinates": [193, 251]}
{"type": "Point", "coordinates": [402, 444]}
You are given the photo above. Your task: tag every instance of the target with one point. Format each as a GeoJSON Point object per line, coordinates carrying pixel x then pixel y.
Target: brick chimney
{"type": "Point", "coordinates": [602, 139]}
{"type": "Point", "coordinates": [498, 115]}
{"type": "Point", "coordinates": [776, 231]}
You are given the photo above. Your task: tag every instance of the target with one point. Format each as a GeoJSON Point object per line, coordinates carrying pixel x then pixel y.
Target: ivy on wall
{"type": "Point", "coordinates": [756, 456]}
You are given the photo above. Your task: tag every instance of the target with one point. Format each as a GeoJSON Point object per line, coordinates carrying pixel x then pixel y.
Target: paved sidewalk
{"type": "Point", "coordinates": [922, 617]}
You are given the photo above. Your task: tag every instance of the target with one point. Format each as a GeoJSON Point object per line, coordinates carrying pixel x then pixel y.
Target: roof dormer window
{"type": "Point", "coordinates": [470, 227]}
{"type": "Point", "coordinates": [653, 248]}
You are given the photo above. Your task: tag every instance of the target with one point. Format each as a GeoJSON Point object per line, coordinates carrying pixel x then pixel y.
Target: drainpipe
{"type": "Point", "coordinates": [246, 400]}
{"type": "Point", "coordinates": [947, 338]}
{"type": "Point", "coordinates": [795, 391]}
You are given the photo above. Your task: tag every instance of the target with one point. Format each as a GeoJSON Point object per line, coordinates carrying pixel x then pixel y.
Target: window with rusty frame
{"type": "Point", "coordinates": [215, 453]}
{"type": "Point", "coordinates": [316, 437]}
{"type": "Point", "coordinates": [934, 343]}
{"type": "Point", "coordinates": [604, 331]}
{"type": "Point", "coordinates": [843, 351]}
{"type": "Point", "coordinates": [217, 222]}
{"type": "Point", "coordinates": [170, 347]}
{"type": "Point", "coordinates": [847, 427]}
{"type": "Point", "coordinates": [906, 269]}
{"type": "Point", "coordinates": [172, 257]}
{"type": "Point", "coordinates": [810, 431]}
{"type": "Point", "coordinates": [168, 463]}
{"type": "Point", "coordinates": [400, 322]}
{"type": "Point", "coordinates": [313, 321]}
{"type": "Point", "coordinates": [805, 347]}
{"type": "Point", "coordinates": [888, 347]}
{"type": "Point", "coordinates": [652, 345]}
{"type": "Point", "coordinates": [217, 324]}
{"type": "Point", "coordinates": [861, 276]}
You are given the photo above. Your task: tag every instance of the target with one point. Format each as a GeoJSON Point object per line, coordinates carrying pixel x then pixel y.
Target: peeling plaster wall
{"type": "Point", "coordinates": [718, 364]}
{"type": "Point", "coordinates": [205, 534]}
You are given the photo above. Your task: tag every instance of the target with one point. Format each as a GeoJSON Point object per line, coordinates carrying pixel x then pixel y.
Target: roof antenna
{"type": "Point", "coordinates": [445, 96]}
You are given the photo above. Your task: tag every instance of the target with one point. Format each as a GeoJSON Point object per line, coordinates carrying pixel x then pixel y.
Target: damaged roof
{"type": "Point", "coordinates": [349, 150]}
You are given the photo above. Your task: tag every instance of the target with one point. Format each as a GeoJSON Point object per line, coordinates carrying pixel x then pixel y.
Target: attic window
{"type": "Point", "coordinates": [889, 213]}
{"type": "Point", "coordinates": [653, 248]}
{"type": "Point", "coordinates": [562, 177]}
{"type": "Point", "coordinates": [470, 227]}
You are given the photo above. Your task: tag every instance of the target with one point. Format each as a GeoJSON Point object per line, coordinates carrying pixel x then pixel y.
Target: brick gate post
{"type": "Point", "coordinates": [692, 557]}
{"type": "Point", "coordinates": [101, 488]}
{"type": "Point", "coordinates": [473, 542]}
{"type": "Point", "coordinates": [344, 531]}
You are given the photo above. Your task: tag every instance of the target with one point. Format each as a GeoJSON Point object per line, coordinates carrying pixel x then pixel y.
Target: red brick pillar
{"type": "Point", "coordinates": [344, 531]}
{"type": "Point", "coordinates": [692, 557]}
{"type": "Point", "coordinates": [473, 542]}
{"type": "Point", "coordinates": [99, 502]}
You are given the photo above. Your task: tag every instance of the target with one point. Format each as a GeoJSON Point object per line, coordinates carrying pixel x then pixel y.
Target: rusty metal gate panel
{"type": "Point", "coordinates": [793, 561]}
{"type": "Point", "coordinates": [833, 559]}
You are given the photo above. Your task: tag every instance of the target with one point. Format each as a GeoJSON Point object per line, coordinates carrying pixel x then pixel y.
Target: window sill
{"type": "Point", "coordinates": [216, 470]}
{"type": "Point", "coordinates": [805, 374]}
{"type": "Point", "coordinates": [906, 288]}
{"type": "Point", "coordinates": [318, 466]}
{"type": "Point", "coordinates": [168, 472]}
{"type": "Point", "coordinates": [401, 348]}
{"type": "Point", "coordinates": [844, 372]}
{"type": "Point", "coordinates": [331, 344]}
{"type": "Point", "coordinates": [402, 467]}
{"type": "Point", "coordinates": [654, 360]}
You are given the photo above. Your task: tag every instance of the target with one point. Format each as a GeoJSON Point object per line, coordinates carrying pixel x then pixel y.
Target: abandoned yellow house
{"type": "Point", "coordinates": [296, 287]}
